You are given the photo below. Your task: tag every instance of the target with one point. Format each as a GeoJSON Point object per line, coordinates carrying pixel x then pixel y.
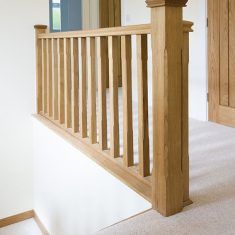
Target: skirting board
{"type": "Point", "coordinates": [21, 217]}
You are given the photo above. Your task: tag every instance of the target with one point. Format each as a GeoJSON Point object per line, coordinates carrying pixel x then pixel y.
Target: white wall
{"type": "Point", "coordinates": [196, 12]}
{"type": "Point", "coordinates": [73, 195]}
{"type": "Point", "coordinates": [136, 12]}
{"type": "Point", "coordinates": [17, 76]}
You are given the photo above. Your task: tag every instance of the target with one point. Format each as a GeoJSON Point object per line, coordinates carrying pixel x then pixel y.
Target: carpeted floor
{"type": "Point", "coordinates": [212, 179]}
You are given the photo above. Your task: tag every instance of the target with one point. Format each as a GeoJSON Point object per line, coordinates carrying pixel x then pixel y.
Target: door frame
{"type": "Point", "coordinates": [216, 113]}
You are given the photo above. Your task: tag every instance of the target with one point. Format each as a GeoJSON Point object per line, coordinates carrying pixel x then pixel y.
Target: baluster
{"type": "Point", "coordinates": [61, 80]}
{"type": "Point", "coordinates": [143, 137]}
{"type": "Point", "coordinates": [127, 100]}
{"type": "Point", "coordinates": [102, 78]}
{"type": "Point", "coordinates": [44, 75]}
{"type": "Point", "coordinates": [82, 89]}
{"type": "Point", "coordinates": [55, 79]}
{"type": "Point", "coordinates": [185, 116]}
{"type": "Point", "coordinates": [74, 76]}
{"type": "Point", "coordinates": [49, 75]}
{"type": "Point", "coordinates": [113, 84]}
{"type": "Point", "coordinates": [67, 76]}
{"type": "Point", "coordinates": [92, 90]}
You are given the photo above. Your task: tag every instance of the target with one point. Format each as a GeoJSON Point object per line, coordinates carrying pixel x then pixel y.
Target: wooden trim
{"type": "Point", "coordinates": [40, 224]}
{"type": "Point", "coordinates": [114, 31]}
{"type": "Point", "coordinates": [16, 218]}
{"type": "Point", "coordinates": [115, 166]}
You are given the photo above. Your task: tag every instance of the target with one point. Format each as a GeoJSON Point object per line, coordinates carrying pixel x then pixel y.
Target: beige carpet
{"type": "Point", "coordinates": [212, 179]}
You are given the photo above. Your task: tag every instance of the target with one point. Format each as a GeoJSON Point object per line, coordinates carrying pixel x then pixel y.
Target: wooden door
{"type": "Point", "coordinates": [110, 16]}
{"type": "Point", "coordinates": [221, 61]}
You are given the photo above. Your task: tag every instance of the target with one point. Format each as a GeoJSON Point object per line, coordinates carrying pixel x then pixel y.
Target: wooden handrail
{"type": "Point", "coordinates": [114, 31]}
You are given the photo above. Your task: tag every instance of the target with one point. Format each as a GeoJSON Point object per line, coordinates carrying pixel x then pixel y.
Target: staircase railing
{"type": "Point", "coordinates": [73, 70]}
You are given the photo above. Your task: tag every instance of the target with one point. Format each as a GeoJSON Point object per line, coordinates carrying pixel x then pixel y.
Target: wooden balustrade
{"type": "Point", "coordinates": [72, 93]}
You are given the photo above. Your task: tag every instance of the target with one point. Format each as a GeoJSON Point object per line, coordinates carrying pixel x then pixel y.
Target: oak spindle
{"type": "Point", "coordinates": [92, 90]}
{"type": "Point", "coordinates": [61, 80]}
{"type": "Point", "coordinates": [82, 89]}
{"type": "Point", "coordinates": [67, 75]}
{"type": "Point", "coordinates": [102, 78]}
{"type": "Point", "coordinates": [49, 75]}
{"type": "Point", "coordinates": [74, 78]}
{"type": "Point", "coordinates": [55, 80]}
{"type": "Point", "coordinates": [113, 89]}
{"type": "Point", "coordinates": [143, 135]}
{"type": "Point", "coordinates": [126, 53]}
{"type": "Point", "coordinates": [185, 116]}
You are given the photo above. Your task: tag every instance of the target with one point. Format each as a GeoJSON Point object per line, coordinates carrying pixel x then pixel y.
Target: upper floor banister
{"type": "Point", "coordinates": [72, 73]}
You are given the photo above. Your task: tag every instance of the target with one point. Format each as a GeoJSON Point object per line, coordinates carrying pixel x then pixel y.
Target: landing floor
{"type": "Point", "coordinates": [212, 179]}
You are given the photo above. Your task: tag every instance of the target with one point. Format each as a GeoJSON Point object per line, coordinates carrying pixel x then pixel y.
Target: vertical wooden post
{"type": "Point", "coordinates": [67, 76]}
{"type": "Point", "coordinates": [61, 76]}
{"type": "Point", "coordinates": [56, 79]}
{"type": "Point", "coordinates": [102, 65]}
{"type": "Point", "coordinates": [143, 124]}
{"type": "Point", "coordinates": [39, 29]}
{"type": "Point", "coordinates": [185, 114]}
{"type": "Point", "coordinates": [75, 85]}
{"type": "Point", "coordinates": [128, 155]}
{"type": "Point", "coordinates": [83, 88]}
{"type": "Point", "coordinates": [167, 44]}
{"type": "Point", "coordinates": [49, 77]}
{"type": "Point", "coordinates": [92, 90]}
{"type": "Point", "coordinates": [113, 84]}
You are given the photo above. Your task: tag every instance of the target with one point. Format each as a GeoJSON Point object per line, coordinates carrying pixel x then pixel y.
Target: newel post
{"type": "Point", "coordinates": [167, 44]}
{"type": "Point", "coordinates": [39, 29]}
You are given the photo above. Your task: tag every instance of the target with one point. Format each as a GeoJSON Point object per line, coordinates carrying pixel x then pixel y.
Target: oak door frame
{"type": "Point", "coordinates": [216, 112]}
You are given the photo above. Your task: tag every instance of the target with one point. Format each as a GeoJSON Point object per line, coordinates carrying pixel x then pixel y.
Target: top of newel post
{"type": "Point", "coordinates": [39, 26]}
{"type": "Point", "coordinates": [170, 3]}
